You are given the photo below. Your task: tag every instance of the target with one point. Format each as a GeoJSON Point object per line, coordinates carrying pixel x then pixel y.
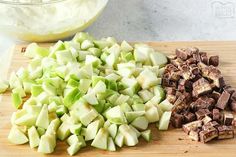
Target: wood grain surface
{"type": "Point", "coordinates": [164, 143]}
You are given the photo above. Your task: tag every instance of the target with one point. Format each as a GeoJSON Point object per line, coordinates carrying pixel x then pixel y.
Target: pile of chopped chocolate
{"type": "Point", "coordinates": [196, 87]}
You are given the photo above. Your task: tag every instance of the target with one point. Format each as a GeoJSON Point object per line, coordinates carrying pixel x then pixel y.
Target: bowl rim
{"type": "Point", "coordinates": [29, 3]}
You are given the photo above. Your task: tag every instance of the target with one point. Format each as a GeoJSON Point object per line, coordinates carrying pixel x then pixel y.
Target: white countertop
{"type": "Point", "coordinates": [159, 20]}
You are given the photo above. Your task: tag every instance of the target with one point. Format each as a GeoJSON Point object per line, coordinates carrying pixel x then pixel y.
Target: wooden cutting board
{"type": "Point", "coordinates": [165, 143]}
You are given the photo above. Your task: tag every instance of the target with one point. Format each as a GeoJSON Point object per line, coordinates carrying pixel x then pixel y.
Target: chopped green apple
{"type": "Point", "coordinates": [125, 46]}
{"type": "Point", "coordinates": [111, 145]}
{"type": "Point", "coordinates": [146, 135]}
{"type": "Point", "coordinates": [63, 131]}
{"type": "Point", "coordinates": [147, 79]}
{"type": "Point", "coordinates": [130, 116]}
{"type": "Point", "coordinates": [112, 129]}
{"type": "Point", "coordinates": [33, 137]}
{"type": "Point", "coordinates": [101, 139]}
{"type": "Point", "coordinates": [91, 130]}
{"type": "Point", "coordinates": [158, 59]}
{"type": "Point", "coordinates": [140, 123]}
{"type": "Point", "coordinates": [16, 136]}
{"type": "Point", "coordinates": [119, 140]}
{"type": "Point", "coordinates": [115, 115]}
{"type": "Point", "coordinates": [3, 86]}
{"type": "Point", "coordinates": [130, 137]}
{"type": "Point", "coordinates": [74, 148]}
{"type": "Point", "coordinates": [16, 100]}
{"type": "Point", "coordinates": [47, 143]}
{"type": "Point", "coordinates": [165, 120]}
{"type": "Point", "coordinates": [166, 105]}
{"type": "Point", "coordinates": [43, 118]}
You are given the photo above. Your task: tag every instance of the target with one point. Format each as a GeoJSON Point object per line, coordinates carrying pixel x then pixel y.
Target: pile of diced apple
{"type": "Point", "coordinates": [88, 90]}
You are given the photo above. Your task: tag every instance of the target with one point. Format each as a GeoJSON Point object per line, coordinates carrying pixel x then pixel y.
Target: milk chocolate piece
{"type": "Point", "coordinates": [214, 60]}
{"type": "Point", "coordinates": [228, 118]}
{"type": "Point", "coordinates": [192, 126]}
{"type": "Point", "coordinates": [206, 119]}
{"type": "Point", "coordinates": [225, 132]}
{"type": "Point", "coordinates": [208, 135]}
{"type": "Point", "coordinates": [223, 100]}
{"type": "Point", "coordinates": [194, 134]}
{"type": "Point", "coordinates": [181, 53]}
{"type": "Point", "coordinates": [201, 87]}
{"type": "Point", "coordinates": [202, 113]}
{"type": "Point", "coordinates": [210, 124]}
{"type": "Point", "coordinates": [216, 114]}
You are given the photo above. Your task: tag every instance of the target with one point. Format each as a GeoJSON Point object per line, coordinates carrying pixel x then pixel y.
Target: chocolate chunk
{"type": "Point", "coordinates": [181, 53]}
{"type": "Point", "coordinates": [208, 135]}
{"type": "Point", "coordinates": [213, 74]}
{"type": "Point", "coordinates": [189, 117]}
{"type": "Point", "coordinates": [233, 96]}
{"type": "Point", "coordinates": [202, 113]}
{"type": "Point", "coordinates": [175, 75]}
{"type": "Point", "coordinates": [232, 106]}
{"type": "Point", "coordinates": [214, 60]}
{"type": "Point", "coordinates": [194, 70]}
{"type": "Point", "coordinates": [204, 58]}
{"type": "Point", "coordinates": [225, 132]}
{"type": "Point", "coordinates": [229, 89]}
{"type": "Point", "coordinates": [228, 118]}
{"type": "Point", "coordinates": [186, 72]}
{"type": "Point", "coordinates": [171, 98]}
{"type": "Point", "coordinates": [170, 90]}
{"type": "Point", "coordinates": [216, 114]}
{"type": "Point", "coordinates": [191, 61]}
{"type": "Point", "coordinates": [203, 103]}
{"type": "Point", "coordinates": [206, 119]}
{"type": "Point", "coordinates": [194, 134]}
{"type": "Point", "coordinates": [210, 124]}
{"type": "Point", "coordinates": [234, 122]}
{"type": "Point", "coordinates": [177, 120]}
{"type": "Point", "coordinates": [223, 100]}
{"type": "Point", "coordinates": [192, 126]}
{"type": "Point", "coordinates": [215, 95]}
{"type": "Point", "coordinates": [177, 62]}
{"type": "Point", "coordinates": [201, 87]}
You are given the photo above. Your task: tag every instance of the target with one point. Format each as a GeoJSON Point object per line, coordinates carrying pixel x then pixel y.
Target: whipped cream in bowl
{"type": "Point", "coordinates": [47, 20]}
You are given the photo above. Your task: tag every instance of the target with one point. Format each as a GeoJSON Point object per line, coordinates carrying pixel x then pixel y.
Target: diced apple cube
{"type": "Point", "coordinates": [16, 136]}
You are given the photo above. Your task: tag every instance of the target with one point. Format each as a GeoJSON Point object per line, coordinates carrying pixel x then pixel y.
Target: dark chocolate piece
{"type": "Point", "coordinates": [232, 106]}
{"type": "Point", "coordinates": [177, 120]}
{"type": "Point", "coordinates": [214, 60]}
{"type": "Point", "coordinates": [228, 118]}
{"type": "Point", "coordinates": [208, 135]}
{"type": "Point", "coordinates": [215, 95]}
{"type": "Point", "coordinates": [201, 87]}
{"type": "Point", "coordinates": [204, 58]}
{"type": "Point", "coordinates": [229, 89]}
{"type": "Point", "coordinates": [225, 132]}
{"type": "Point", "coordinates": [216, 114]}
{"type": "Point", "coordinates": [223, 100]}
{"type": "Point", "coordinates": [189, 117]}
